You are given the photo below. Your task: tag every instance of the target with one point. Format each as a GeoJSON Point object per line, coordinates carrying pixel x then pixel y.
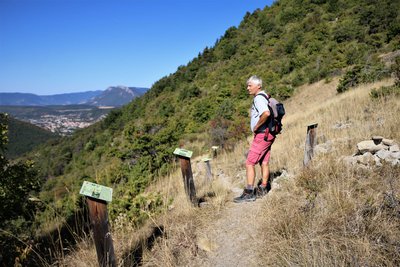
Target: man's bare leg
{"type": "Point", "coordinates": [251, 174]}
{"type": "Point", "coordinates": [265, 173]}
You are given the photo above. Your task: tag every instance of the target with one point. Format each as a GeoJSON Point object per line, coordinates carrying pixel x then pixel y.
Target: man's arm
{"type": "Point", "coordinates": [263, 119]}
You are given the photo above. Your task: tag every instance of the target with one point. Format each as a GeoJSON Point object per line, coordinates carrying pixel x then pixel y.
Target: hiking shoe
{"type": "Point", "coordinates": [247, 196]}
{"type": "Point", "coordinates": [261, 191]}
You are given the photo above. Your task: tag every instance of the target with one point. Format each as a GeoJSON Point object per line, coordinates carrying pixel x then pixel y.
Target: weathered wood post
{"type": "Point", "coordinates": [208, 169]}
{"type": "Point", "coordinates": [186, 168]}
{"type": "Point", "coordinates": [311, 141]}
{"type": "Point", "coordinates": [214, 151]}
{"type": "Point", "coordinates": [97, 197]}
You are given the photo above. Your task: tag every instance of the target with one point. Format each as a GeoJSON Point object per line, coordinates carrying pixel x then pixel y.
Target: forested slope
{"type": "Point", "coordinates": [23, 137]}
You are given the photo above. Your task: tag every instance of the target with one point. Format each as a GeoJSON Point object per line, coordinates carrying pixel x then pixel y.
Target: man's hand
{"type": "Point", "coordinates": [263, 119]}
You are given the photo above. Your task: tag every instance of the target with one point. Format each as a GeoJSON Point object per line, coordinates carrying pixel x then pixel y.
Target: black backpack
{"type": "Point", "coordinates": [277, 111]}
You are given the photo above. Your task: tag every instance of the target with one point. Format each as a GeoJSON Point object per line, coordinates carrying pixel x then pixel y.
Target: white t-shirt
{"type": "Point", "coordinates": [260, 104]}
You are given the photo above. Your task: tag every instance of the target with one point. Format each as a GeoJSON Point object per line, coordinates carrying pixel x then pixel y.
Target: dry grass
{"type": "Point", "coordinates": [327, 215]}
{"type": "Point", "coordinates": [331, 215]}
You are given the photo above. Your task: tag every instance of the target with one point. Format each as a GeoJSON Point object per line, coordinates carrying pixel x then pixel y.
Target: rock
{"type": "Point", "coordinates": [342, 125]}
{"type": "Point", "coordinates": [350, 160]}
{"type": "Point", "coordinates": [388, 142]}
{"type": "Point", "coordinates": [377, 161]}
{"type": "Point", "coordinates": [284, 174]}
{"type": "Point", "coordinates": [365, 159]}
{"type": "Point", "coordinates": [383, 154]}
{"type": "Point", "coordinates": [372, 152]}
{"type": "Point", "coordinates": [275, 185]}
{"type": "Point", "coordinates": [370, 146]}
{"type": "Point", "coordinates": [323, 148]}
{"type": "Point", "coordinates": [394, 148]}
{"type": "Point", "coordinates": [395, 155]}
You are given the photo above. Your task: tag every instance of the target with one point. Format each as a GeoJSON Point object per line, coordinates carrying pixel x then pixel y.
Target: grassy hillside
{"type": "Point", "coordinates": [23, 137]}
{"type": "Point", "coordinates": [205, 103]}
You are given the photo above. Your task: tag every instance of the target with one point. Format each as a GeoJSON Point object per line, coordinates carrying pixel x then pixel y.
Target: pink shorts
{"type": "Point", "coordinates": [260, 150]}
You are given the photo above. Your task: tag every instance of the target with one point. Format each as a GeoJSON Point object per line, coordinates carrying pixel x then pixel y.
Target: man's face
{"type": "Point", "coordinates": [253, 88]}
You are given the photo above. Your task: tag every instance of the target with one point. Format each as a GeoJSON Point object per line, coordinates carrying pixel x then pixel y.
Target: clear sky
{"type": "Point", "coordinates": [61, 46]}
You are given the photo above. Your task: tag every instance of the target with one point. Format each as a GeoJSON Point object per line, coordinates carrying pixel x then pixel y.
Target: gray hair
{"type": "Point", "coordinates": [255, 79]}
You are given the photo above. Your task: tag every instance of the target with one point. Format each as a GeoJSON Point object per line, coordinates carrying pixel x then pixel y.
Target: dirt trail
{"type": "Point", "coordinates": [231, 240]}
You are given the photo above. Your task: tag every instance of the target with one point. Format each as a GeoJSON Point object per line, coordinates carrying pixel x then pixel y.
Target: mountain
{"type": "Point", "coordinates": [24, 136]}
{"type": "Point", "coordinates": [112, 96]}
{"type": "Point", "coordinates": [116, 96]}
{"type": "Point", "coordinates": [25, 99]}
{"type": "Point", "coordinates": [205, 102]}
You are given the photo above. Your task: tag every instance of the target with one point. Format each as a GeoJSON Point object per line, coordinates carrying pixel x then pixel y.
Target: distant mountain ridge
{"type": "Point", "coordinates": [112, 96]}
{"type": "Point", "coordinates": [27, 99]}
{"type": "Point", "coordinates": [117, 96]}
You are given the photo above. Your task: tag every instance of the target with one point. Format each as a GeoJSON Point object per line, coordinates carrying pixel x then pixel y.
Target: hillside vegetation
{"type": "Point", "coordinates": [23, 137]}
{"type": "Point", "coordinates": [205, 103]}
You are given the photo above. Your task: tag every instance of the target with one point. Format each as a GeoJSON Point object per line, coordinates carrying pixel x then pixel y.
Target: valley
{"type": "Point", "coordinates": [63, 120]}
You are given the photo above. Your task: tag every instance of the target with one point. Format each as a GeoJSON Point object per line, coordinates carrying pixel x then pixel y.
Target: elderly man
{"type": "Point", "coordinates": [260, 149]}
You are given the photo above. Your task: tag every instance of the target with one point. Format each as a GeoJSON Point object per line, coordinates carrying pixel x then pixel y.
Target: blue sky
{"type": "Point", "coordinates": [61, 46]}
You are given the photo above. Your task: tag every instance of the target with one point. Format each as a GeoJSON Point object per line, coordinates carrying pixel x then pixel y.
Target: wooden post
{"type": "Point", "coordinates": [311, 141]}
{"type": "Point", "coordinates": [97, 197]}
{"type": "Point", "coordinates": [186, 168]}
{"type": "Point", "coordinates": [188, 178]}
{"type": "Point", "coordinates": [214, 151]}
{"type": "Point", "coordinates": [102, 237]}
{"type": "Point", "coordinates": [208, 169]}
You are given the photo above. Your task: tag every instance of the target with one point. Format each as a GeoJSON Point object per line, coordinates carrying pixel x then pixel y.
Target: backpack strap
{"type": "Point", "coordinates": [266, 96]}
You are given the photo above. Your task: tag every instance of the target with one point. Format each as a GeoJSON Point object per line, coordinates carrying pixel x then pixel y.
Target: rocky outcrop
{"type": "Point", "coordinates": [374, 152]}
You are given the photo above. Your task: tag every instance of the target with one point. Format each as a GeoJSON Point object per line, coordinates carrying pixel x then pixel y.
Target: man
{"type": "Point", "coordinates": [260, 150]}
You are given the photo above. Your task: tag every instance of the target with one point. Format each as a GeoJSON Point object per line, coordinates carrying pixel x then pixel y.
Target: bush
{"type": "Point", "coordinates": [385, 91]}
{"type": "Point", "coordinates": [361, 74]}
{"type": "Point", "coordinates": [396, 71]}
{"type": "Point", "coordinates": [350, 79]}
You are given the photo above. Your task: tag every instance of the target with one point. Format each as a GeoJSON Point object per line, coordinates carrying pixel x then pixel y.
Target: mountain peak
{"type": "Point", "coordinates": [117, 95]}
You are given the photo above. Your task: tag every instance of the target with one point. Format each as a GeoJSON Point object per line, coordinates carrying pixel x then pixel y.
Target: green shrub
{"type": "Point", "coordinates": [350, 79]}
{"type": "Point", "coordinates": [396, 71]}
{"type": "Point", "coordinates": [385, 91]}
{"type": "Point", "coordinates": [362, 74]}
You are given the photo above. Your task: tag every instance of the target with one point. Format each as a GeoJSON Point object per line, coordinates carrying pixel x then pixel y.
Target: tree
{"type": "Point", "coordinates": [17, 181]}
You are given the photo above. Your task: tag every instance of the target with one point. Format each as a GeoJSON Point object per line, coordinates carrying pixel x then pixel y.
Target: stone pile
{"type": "Point", "coordinates": [375, 152]}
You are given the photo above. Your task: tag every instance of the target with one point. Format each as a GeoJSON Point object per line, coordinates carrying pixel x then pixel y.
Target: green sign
{"type": "Point", "coordinates": [183, 152]}
{"type": "Point", "coordinates": [96, 191]}
{"type": "Point", "coordinates": [206, 159]}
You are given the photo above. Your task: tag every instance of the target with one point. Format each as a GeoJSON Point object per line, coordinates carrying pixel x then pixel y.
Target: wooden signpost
{"type": "Point", "coordinates": [188, 182]}
{"type": "Point", "coordinates": [311, 141]}
{"type": "Point", "coordinates": [97, 197]}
